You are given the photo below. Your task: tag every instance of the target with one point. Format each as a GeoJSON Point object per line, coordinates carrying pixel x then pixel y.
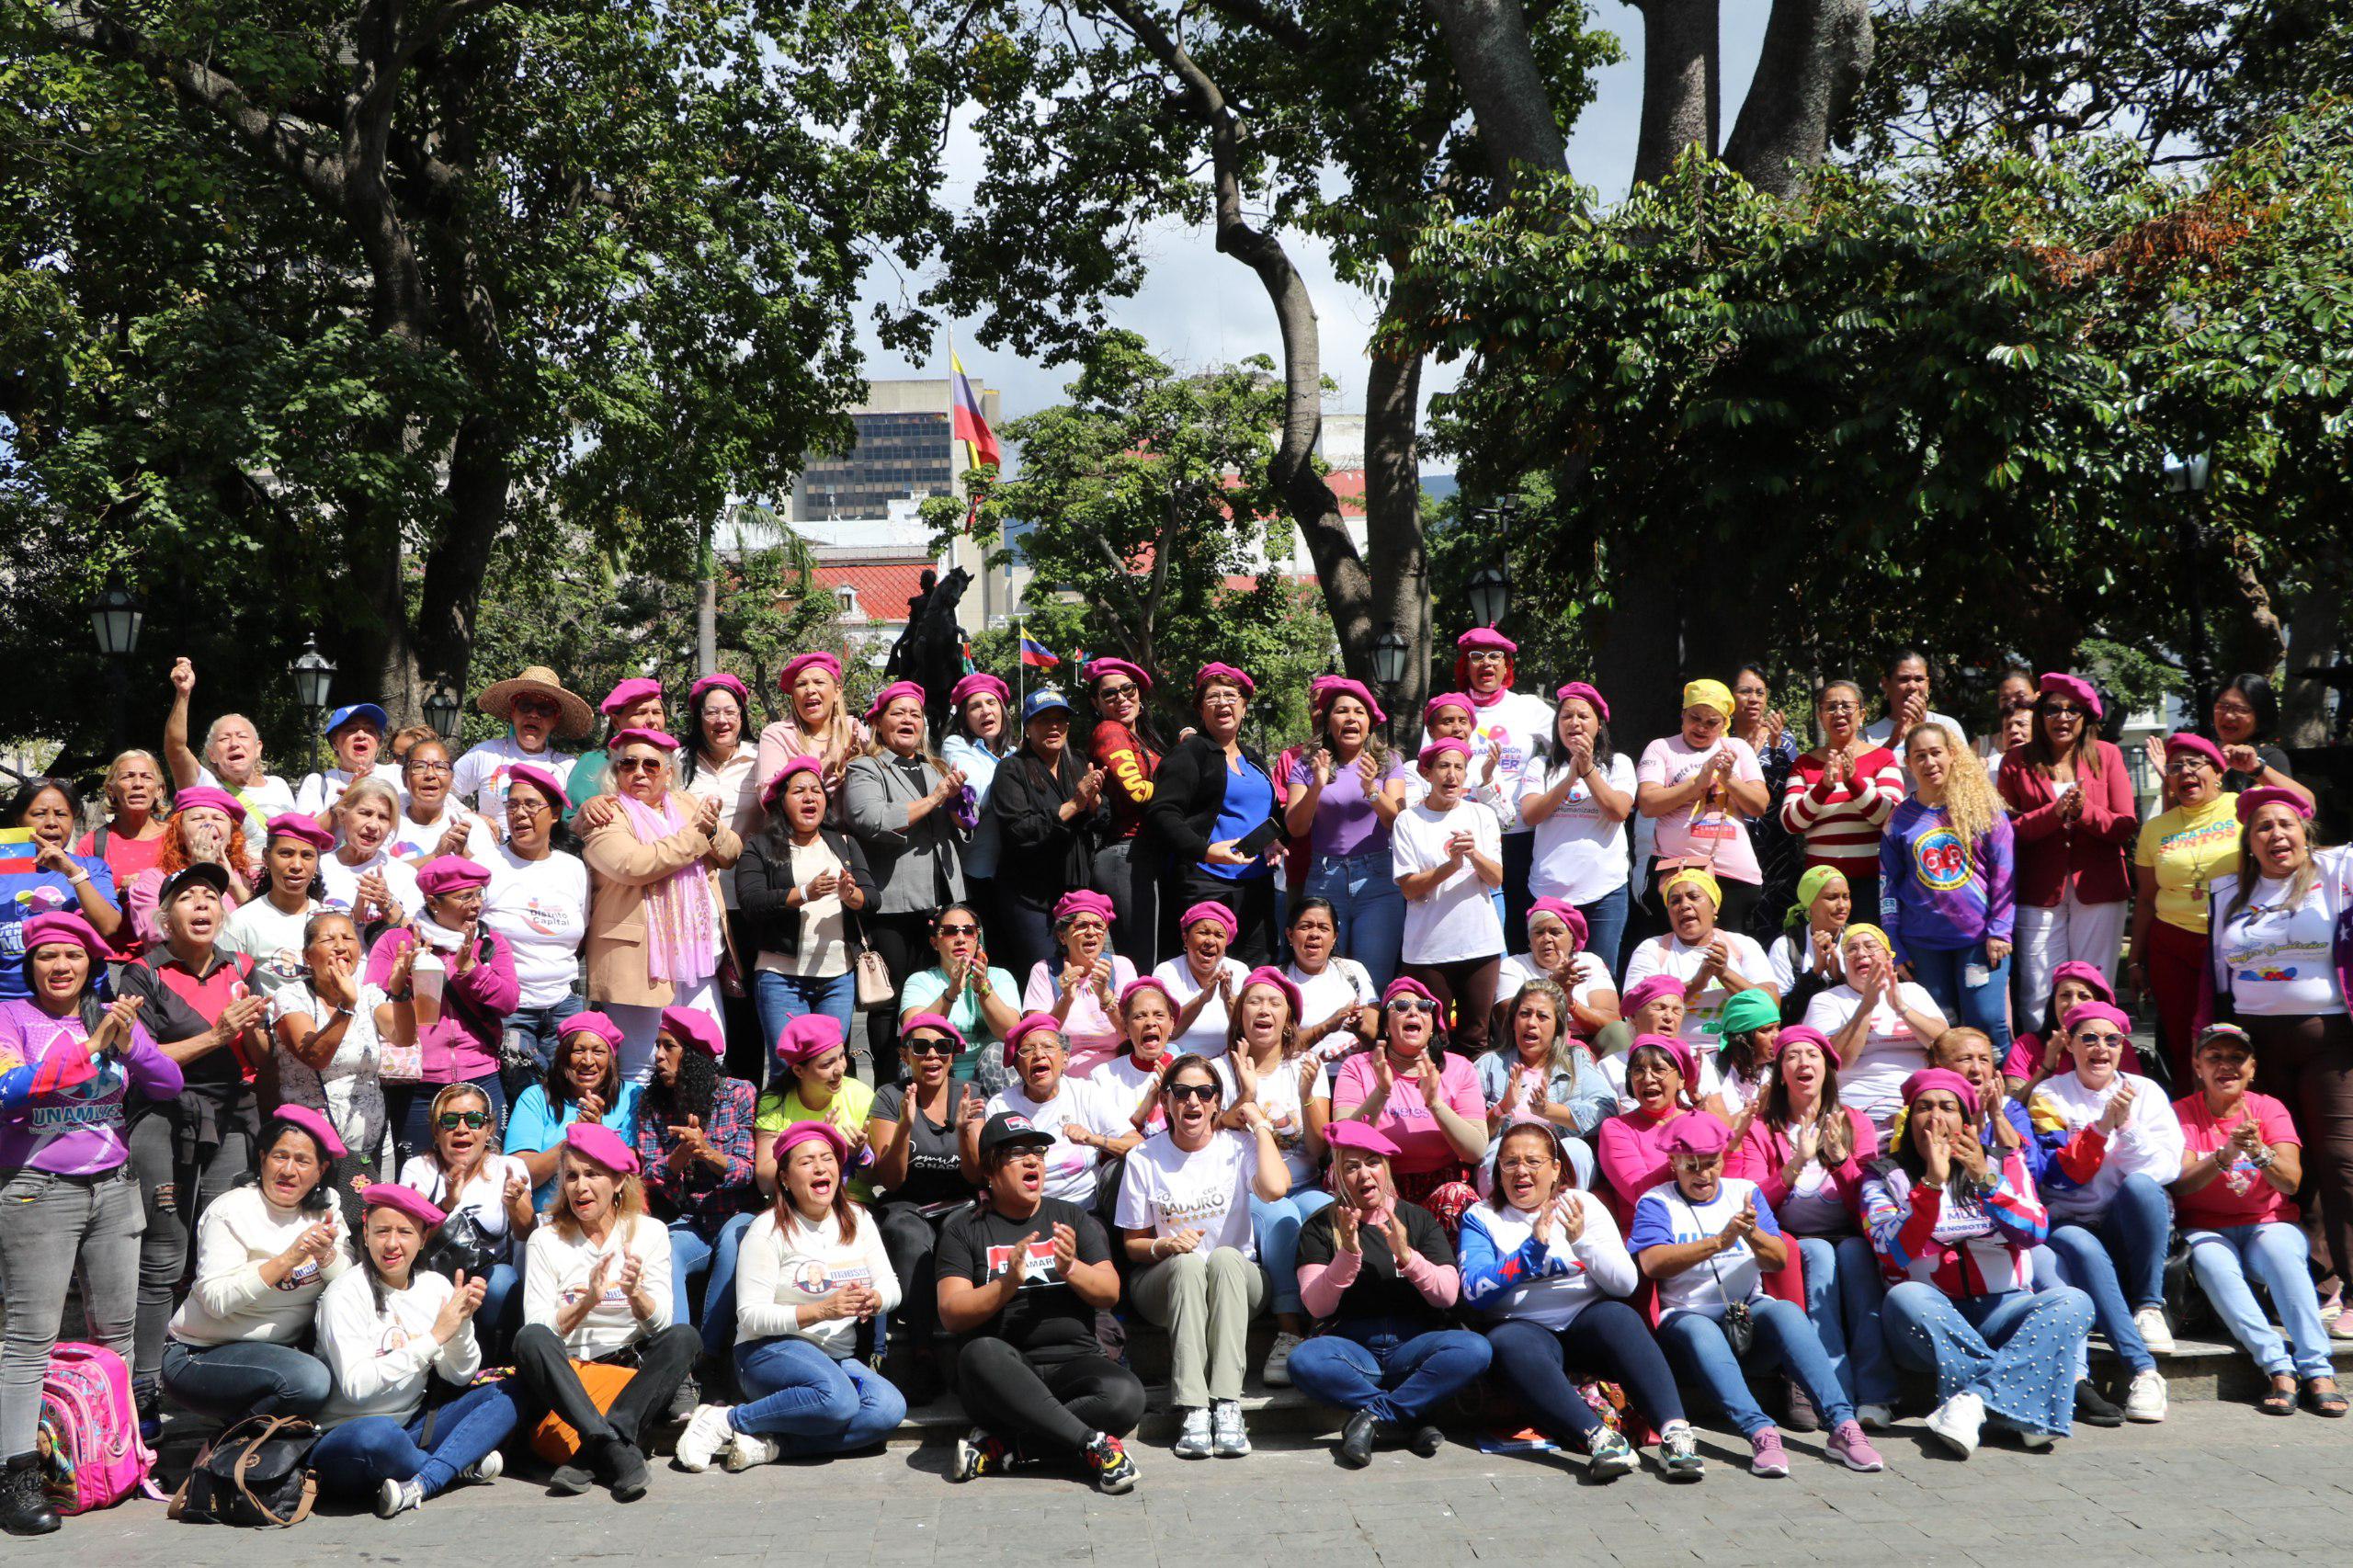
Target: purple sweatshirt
{"type": "Point", "coordinates": [1933, 894]}
{"type": "Point", "coordinates": [75, 1129]}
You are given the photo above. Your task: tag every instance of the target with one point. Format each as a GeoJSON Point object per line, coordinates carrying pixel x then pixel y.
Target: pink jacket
{"type": "Point", "coordinates": [464, 1042]}
{"type": "Point", "coordinates": [1763, 1152]}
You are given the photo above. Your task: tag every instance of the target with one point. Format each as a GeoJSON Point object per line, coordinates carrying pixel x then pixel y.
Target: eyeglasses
{"type": "Point", "coordinates": [958, 930]}
{"type": "Point", "coordinates": [1206, 1093]}
{"type": "Point", "coordinates": [450, 1120]}
{"type": "Point", "coordinates": [1842, 707]}
{"type": "Point", "coordinates": [417, 767]}
{"type": "Point", "coordinates": [636, 764]}
{"type": "Point", "coordinates": [1114, 693]}
{"type": "Point", "coordinates": [1412, 1004]}
{"type": "Point", "coordinates": [523, 806]}
{"type": "Point", "coordinates": [542, 706]}
{"type": "Point", "coordinates": [2189, 764]}
{"type": "Point", "coordinates": [929, 1045]}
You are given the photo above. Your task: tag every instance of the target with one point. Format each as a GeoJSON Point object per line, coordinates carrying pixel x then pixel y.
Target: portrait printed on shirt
{"type": "Point", "coordinates": [814, 1278]}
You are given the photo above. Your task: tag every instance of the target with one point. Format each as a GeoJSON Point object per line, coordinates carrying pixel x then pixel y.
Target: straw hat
{"type": "Point", "coordinates": [498, 700]}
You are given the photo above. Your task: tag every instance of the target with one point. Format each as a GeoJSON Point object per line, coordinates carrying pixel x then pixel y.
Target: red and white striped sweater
{"type": "Point", "coordinates": [1841, 823]}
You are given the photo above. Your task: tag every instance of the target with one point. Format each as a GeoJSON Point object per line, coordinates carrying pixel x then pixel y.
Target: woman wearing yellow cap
{"type": "Point", "coordinates": [1712, 961]}
{"type": "Point", "coordinates": [1700, 787]}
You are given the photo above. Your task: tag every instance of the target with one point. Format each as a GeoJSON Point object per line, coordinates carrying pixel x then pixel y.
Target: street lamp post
{"type": "Point", "coordinates": [2185, 477]}
{"type": "Point", "coordinates": [1390, 651]}
{"type": "Point", "coordinates": [441, 712]}
{"type": "Point", "coordinates": [1490, 586]}
{"type": "Point", "coordinates": [115, 620]}
{"type": "Point", "coordinates": [313, 679]}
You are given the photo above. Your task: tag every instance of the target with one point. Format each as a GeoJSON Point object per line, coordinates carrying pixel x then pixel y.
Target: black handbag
{"type": "Point", "coordinates": [463, 1244]}
{"type": "Point", "coordinates": [256, 1472]}
{"type": "Point", "coordinates": [1738, 1324]}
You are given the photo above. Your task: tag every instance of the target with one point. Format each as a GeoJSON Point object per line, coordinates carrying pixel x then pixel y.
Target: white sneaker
{"type": "Point", "coordinates": [1276, 1373]}
{"type": "Point", "coordinates": [707, 1432]}
{"type": "Point", "coordinates": [2145, 1399]}
{"type": "Point", "coordinates": [1959, 1422]}
{"type": "Point", "coordinates": [2155, 1332]}
{"type": "Point", "coordinates": [1194, 1442]}
{"type": "Point", "coordinates": [2036, 1441]}
{"type": "Point", "coordinates": [398, 1497]}
{"type": "Point", "coordinates": [747, 1450]}
{"type": "Point", "coordinates": [1229, 1438]}
{"type": "Point", "coordinates": [488, 1468]}
{"type": "Point", "coordinates": [1875, 1417]}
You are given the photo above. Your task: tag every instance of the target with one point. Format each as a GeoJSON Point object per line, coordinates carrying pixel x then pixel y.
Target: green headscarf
{"type": "Point", "coordinates": [1810, 888]}
{"type": "Point", "coordinates": [1745, 1010]}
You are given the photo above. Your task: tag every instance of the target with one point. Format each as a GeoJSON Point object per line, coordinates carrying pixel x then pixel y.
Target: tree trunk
{"type": "Point", "coordinates": [1815, 55]}
{"type": "Point", "coordinates": [1395, 550]}
{"type": "Point", "coordinates": [455, 569]}
{"type": "Point", "coordinates": [1487, 40]}
{"type": "Point", "coordinates": [2315, 634]}
{"type": "Point", "coordinates": [1682, 95]}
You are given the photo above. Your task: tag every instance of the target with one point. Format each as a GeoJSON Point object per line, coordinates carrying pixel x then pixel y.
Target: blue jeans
{"type": "Point", "coordinates": [1696, 1347]}
{"type": "Point", "coordinates": [810, 1403]}
{"type": "Point", "coordinates": [690, 1255]}
{"type": "Point", "coordinates": [1605, 926]}
{"type": "Point", "coordinates": [2122, 1266]}
{"type": "Point", "coordinates": [358, 1457]}
{"type": "Point", "coordinates": [2015, 1351]}
{"type": "Point", "coordinates": [1843, 1291]}
{"type": "Point", "coordinates": [501, 1313]}
{"type": "Point", "coordinates": [1985, 1006]}
{"type": "Point", "coordinates": [532, 1033]}
{"type": "Point", "coordinates": [781, 998]}
{"type": "Point", "coordinates": [1372, 1364]}
{"type": "Point", "coordinates": [1607, 1340]}
{"type": "Point", "coordinates": [1365, 907]}
{"type": "Point", "coordinates": [2274, 1253]}
{"type": "Point", "coordinates": [1276, 1226]}
{"type": "Point", "coordinates": [246, 1378]}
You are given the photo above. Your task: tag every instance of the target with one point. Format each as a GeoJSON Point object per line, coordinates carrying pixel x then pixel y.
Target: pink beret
{"type": "Point", "coordinates": [1697, 1133]}
{"type": "Point", "coordinates": [642, 737]}
{"type": "Point", "coordinates": [1567, 914]}
{"type": "Point", "coordinates": [539, 778]}
{"type": "Point", "coordinates": [800, 662]}
{"type": "Point", "coordinates": [2084, 1013]}
{"type": "Point", "coordinates": [1352, 1134]}
{"type": "Point", "coordinates": [1268, 974]}
{"type": "Point", "coordinates": [1083, 901]}
{"type": "Point", "coordinates": [932, 1021]}
{"type": "Point", "coordinates": [451, 873]}
{"type": "Point", "coordinates": [1485, 639]}
{"type": "Point", "coordinates": [973, 685]}
{"type": "Point", "coordinates": [1446, 700]}
{"type": "Point", "coordinates": [1436, 749]}
{"type": "Point", "coordinates": [2184, 740]}
{"type": "Point", "coordinates": [1642, 993]}
{"type": "Point", "coordinates": [591, 1022]}
{"type": "Point", "coordinates": [1025, 1026]}
{"type": "Point", "coordinates": [1216, 671]}
{"type": "Point", "coordinates": [2254, 800]}
{"type": "Point", "coordinates": [2089, 973]}
{"type": "Point", "coordinates": [203, 795]}
{"type": "Point", "coordinates": [1806, 1034]}
{"type": "Point", "coordinates": [63, 925]}
{"type": "Point", "coordinates": [802, 1133]}
{"type": "Point", "coordinates": [595, 1141]}
{"type": "Point", "coordinates": [1677, 1052]}
{"type": "Point", "coordinates": [1406, 985]}
{"type": "Point", "coordinates": [403, 1200]}
{"type": "Point", "coordinates": [1324, 689]}
{"type": "Point", "coordinates": [1211, 909]}
{"type": "Point", "coordinates": [2055, 683]}
{"type": "Point", "coordinates": [691, 1025]}
{"type": "Point", "coordinates": [1098, 668]}
{"type": "Point", "coordinates": [301, 829]}
{"type": "Point", "coordinates": [1145, 982]}
{"type": "Point", "coordinates": [317, 1126]}
{"type": "Point", "coordinates": [1945, 1078]}
{"type": "Point", "coordinates": [889, 694]}
{"type": "Point", "coordinates": [627, 694]}
{"type": "Point", "coordinates": [723, 681]}
{"type": "Point", "coordinates": [1578, 690]}
{"type": "Point", "coordinates": [808, 1036]}
{"type": "Point", "coordinates": [773, 788]}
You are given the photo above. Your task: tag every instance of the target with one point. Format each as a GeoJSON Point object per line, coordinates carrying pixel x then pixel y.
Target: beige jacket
{"type": "Point", "coordinates": [623, 870]}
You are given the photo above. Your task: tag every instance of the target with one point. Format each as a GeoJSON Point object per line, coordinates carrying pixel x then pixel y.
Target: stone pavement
{"type": "Point", "coordinates": [2217, 1480]}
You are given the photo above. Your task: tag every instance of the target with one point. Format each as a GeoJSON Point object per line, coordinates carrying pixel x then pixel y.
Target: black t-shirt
{"type": "Point", "coordinates": [935, 1175]}
{"type": "Point", "coordinates": [2272, 758]}
{"type": "Point", "coordinates": [1047, 1322]}
{"type": "Point", "coordinates": [1379, 1290]}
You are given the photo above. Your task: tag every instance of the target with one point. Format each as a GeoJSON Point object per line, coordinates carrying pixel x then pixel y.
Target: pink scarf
{"type": "Point", "coordinates": [680, 920]}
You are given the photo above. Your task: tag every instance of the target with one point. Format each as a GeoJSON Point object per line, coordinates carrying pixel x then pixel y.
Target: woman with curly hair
{"type": "Point", "coordinates": [206, 827]}
{"type": "Point", "coordinates": [1946, 898]}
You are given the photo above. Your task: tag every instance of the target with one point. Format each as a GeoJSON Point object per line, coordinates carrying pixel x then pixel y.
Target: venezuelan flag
{"type": "Point", "coordinates": [1037, 656]}
{"type": "Point", "coordinates": [968, 425]}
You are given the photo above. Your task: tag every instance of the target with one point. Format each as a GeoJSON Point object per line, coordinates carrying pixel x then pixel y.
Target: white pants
{"type": "Point", "coordinates": [640, 1025]}
{"type": "Point", "coordinates": [2070, 931]}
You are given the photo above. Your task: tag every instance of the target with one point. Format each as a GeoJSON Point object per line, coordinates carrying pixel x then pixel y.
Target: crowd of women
{"type": "Point", "coordinates": [466, 1103]}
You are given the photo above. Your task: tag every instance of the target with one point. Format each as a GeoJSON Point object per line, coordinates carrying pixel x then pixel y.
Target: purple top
{"type": "Point", "coordinates": [464, 1042]}
{"type": "Point", "coordinates": [1933, 894]}
{"type": "Point", "coordinates": [78, 1131]}
{"type": "Point", "coordinates": [1346, 823]}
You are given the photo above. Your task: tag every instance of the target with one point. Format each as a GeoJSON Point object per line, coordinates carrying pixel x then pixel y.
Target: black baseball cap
{"type": "Point", "coordinates": [204, 871]}
{"type": "Point", "coordinates": [1011, 1130]}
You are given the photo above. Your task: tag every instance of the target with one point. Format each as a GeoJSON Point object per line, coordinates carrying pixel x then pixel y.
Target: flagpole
{"type": "Point", "coordinates": [1020, 660]}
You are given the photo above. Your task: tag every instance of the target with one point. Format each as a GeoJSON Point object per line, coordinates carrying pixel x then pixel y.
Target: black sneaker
{"type": "Point", "coordinates": [1425, 1441]}
{"type": "Point", "coordinates": [571, 1480]}
{"type": "Point", "coordinates": [683, 1403]}
{"type": "Point", "coordinates": [2093, 1408]}
{"type": "Point", "coordinates": [978, 1454]}
{"type": "Point", "coordinates": [1115, 1472]}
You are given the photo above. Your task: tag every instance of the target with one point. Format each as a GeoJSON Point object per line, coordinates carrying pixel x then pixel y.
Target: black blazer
{"type": "Point", "coordinates": [1187, 792]}
{"type": "Point", "coordinates": [1043, 857]}
{"type": "Point", "coordinates": [763, 877]}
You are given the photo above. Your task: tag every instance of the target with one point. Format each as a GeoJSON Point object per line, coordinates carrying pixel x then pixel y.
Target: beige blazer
{"type": "Point", "coordinates": [623, 870]}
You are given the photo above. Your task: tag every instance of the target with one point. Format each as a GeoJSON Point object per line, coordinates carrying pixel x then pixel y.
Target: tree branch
{"type": "Point", "coordinates": [1814, 57]}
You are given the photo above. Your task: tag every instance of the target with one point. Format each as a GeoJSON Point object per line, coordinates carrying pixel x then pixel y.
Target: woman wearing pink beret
{"type": "Point", "coordinates": [2176, 859]}
{"type": "Point", "coordinates": [633, 704]}
{"type": "Point", "coordinates": [1203, 978]}
{"type": "Point", "coordinates": [206, 828]}
{"type": "Point", "coordinates": [1123, 742]}
{"type": "Point", "coordinates": [2070, 799]}
{"type": "Point", "coordinates": [1510, 729]}
{"type": "Point", "coordinates": [919, 1179]}
{"type": "Point", "coordinates": [460, 1021]}
{"type": "Point", "coordinates": [1081, 984]}
{"type": "Point", "coordinates": [801, 885]}
{"type": "Point", "coordinates": [267, 928]}
{"type": "Point", "coordinates": [582, 1084]}
{"type": "Point", "coordinates": [980, 736]}
{"type": "Point", "coordinates": [694, 1151]}
{"type": "Point", "coordinates": [1346, 788]}
{"type": "Point", "coordinates": [537, 901]}
{"type": "Point", "coordinates": [1576, 799]}
{"type": "Point", "coordinates": [1213, 815]}
{"type": "Point", "coordinates": [898, 801]}
{"type": "Point", "coordinates": [817, 723]}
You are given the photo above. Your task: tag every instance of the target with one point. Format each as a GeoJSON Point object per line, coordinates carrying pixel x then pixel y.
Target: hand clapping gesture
{"type": "Point", "coordinates": [2118, 1110]}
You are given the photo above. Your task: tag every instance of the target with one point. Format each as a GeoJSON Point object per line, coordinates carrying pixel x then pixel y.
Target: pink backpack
{"type": "Point", "coordinates": [92, 1454]}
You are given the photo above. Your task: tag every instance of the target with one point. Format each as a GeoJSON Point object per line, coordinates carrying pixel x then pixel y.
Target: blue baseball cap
{"type": "Point", "coordinates": [368, 710]}
{"type": "Point", "coordinates": [1044, 699]}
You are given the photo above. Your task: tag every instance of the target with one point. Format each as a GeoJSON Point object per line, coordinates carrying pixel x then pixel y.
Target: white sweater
{"type": "Point", "coordinates": [780, 1269]}
{"type": "Point", "coordinates": [2149, 1143]}
{"type": "Point", "coordinates": [230, 1304]}
{"type": "Point", "coordinates": [382, 1361]}
{"type": "Point", "coordinates": [555, 1274]}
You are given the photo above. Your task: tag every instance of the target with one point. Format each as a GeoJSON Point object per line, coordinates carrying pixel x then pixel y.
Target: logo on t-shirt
{"type": "Point", "coordinates": [1941, 859]}
{"type": "Point", "coordinates": [1037, 1260]}
{"type": "Point", "coordinates": [813, 1278]}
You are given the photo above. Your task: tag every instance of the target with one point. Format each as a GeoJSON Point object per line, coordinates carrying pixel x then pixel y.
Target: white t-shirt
{"type": "Point", "coordinates": [1164, 1190]}
{"type": "Point", "coordinates": [1792, 956]}
{"type": "Point", "coordinates": [347, 1090]}
{"type": "Point", "coordinates": [480, 777]}
{"type": "Point", "coordinates": [1588, 977]}
{"type": "Point", "coordinates": [2278, 961]}
{"type": "Point", "coordinates": [1122, 1082]}
{"type": "Point", "coordinates": [1523, 723]}
{"type": "Point", "coordinates": [265, 798]}
{"type": "Point", "coordinates": [542, 908]}
{"type": "Point", "coordinates": [1594, 1267]}
{"type": "Point", "coordinates": [782, 1268]}
{"type": "Point", "coordinates": [1580, 854]}
{"type": "Point", "coordinates": [320, 790]}
{"type": "Point", "coordinates": [1457, 919]}
{"type": "Point", "coordinates": [1662, 1216]}
{"type": "Point", "coordinates": [341, 882]}
{"type": "Point", "coordinates": [1280, 1098]}
{"type": "Point", "coordinates": [1882, 731]}
{"type": "Point", "coordinates": [556, 1271]}
{"type": "Point", "coordinates": [1207, 1036]}
{"type": "Point", "coordinates": [1344, 983]}
{"type": "Point", "coordinates": [1070, 1167]}
{"type": "Point", "coordinates": [484, 1197]}
{"type": "Point", "coordinates": [1872, 1080]}
{"type": "Point", "coordinates": [383, 1361]}
{"type": "Point", "coordinates": [415, 841]}
{"type": "Point", "coordinates": [1717, 834]}
{"type": "Point", "coordinates": [269, 936]}
{"type": "Point", "coordinates": [1667, 955]}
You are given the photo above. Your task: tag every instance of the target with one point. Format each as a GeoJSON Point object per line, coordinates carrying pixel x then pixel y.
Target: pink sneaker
{"type": "Point", "coordinates": [1767, 1457]}
{"type": "Point", "coordinates": [1851, 1449]}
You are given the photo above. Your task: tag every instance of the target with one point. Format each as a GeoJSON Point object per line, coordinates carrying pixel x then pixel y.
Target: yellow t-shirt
{"type": "Point", "coordinates": [775, 1111]}
{"type": "Point", "coordinates": [2188, 849]}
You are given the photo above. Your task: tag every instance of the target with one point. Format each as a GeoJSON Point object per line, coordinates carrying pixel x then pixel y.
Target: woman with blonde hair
{"type": "Point", "coordinates": [1946, 898]}
{"type": "Point", "coordinates": [362, 877]}
{"type": "Point", "coordinates": [486, 1195]}
{"type": "Point", "coordinates": [132, 836]}
{"type": "Point", "coordinates": [817, 723]}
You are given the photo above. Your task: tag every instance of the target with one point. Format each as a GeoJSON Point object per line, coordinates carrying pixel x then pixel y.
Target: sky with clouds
{"type": "Point", "coordinates": [1198, 308]}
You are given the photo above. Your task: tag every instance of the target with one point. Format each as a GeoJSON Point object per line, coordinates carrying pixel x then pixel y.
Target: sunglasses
{"type": "Point", "coordinates": [1113, 693]}
{"type": "Point", "coordinates": [929, 1045]}
{"type": "Point", "coordinates": [2065, 711]}
{"type": "Point", "coordinates": [958, 930]}
{"type": "Point", "coordinates": [1206, 1093]}
{"type": "Point", "coordinates": [1412, 1004]}
{"type": "Point", "coordinates": [636, 764]}
{"type": "Point", "coordinates": [450, 1120]}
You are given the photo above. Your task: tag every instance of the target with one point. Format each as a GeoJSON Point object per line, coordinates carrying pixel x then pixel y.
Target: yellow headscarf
{"type": "Point", "coordinates": [1709, 694]}
{"type": "Point", "coordinates": [1865, 928]}
{"type": "Point", "coordinates": [1705, 883]}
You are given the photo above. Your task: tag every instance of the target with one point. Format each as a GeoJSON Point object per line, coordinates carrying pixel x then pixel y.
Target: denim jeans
{"type": "Point", "coordinates": [2015, 1351]}
{"type": "Point", "coordinates": [1276, 1226]}
{"type": "Point", "coordinates": [2274, 1254]}
{"type": "Point", "coordinates": [1607, 1340]}
{"type": "Point", "coordinates": [1696, 1347]}
{"type": "Point", "coordinates": [501, 1313]}
{"type": "Point", "coordinates": [53, 1228]}
{"type": "Point", "coordinates": [355, 1459]}
{"type": "Point", "coordinates": [244, 1378]}
{"type": "Point", "coordinates": [1366, 906]}
{"type": "Point", "coordinates": [782, 998]}
{"type": "Point", "coordinates": [1372, 1364]}
{"type": "Point", "coordinates": [2119, 1260]}
{"type": "Point", "coordinates": [810, 1403]}
{"type": "Point", "coordinates": [1605, 927]}
{"type": "Point", "coordinates": [691, 1255]}
{"type": "Point", "coordinates": [1843, 1291]}
{"type": "Point", "coordinates": [1986, 1006]}
{"type": "Point", "coordinates": [531, 1036]}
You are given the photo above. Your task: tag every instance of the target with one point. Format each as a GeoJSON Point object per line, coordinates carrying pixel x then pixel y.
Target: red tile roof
{"type": "Point", "coordinates": [883, 588]}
